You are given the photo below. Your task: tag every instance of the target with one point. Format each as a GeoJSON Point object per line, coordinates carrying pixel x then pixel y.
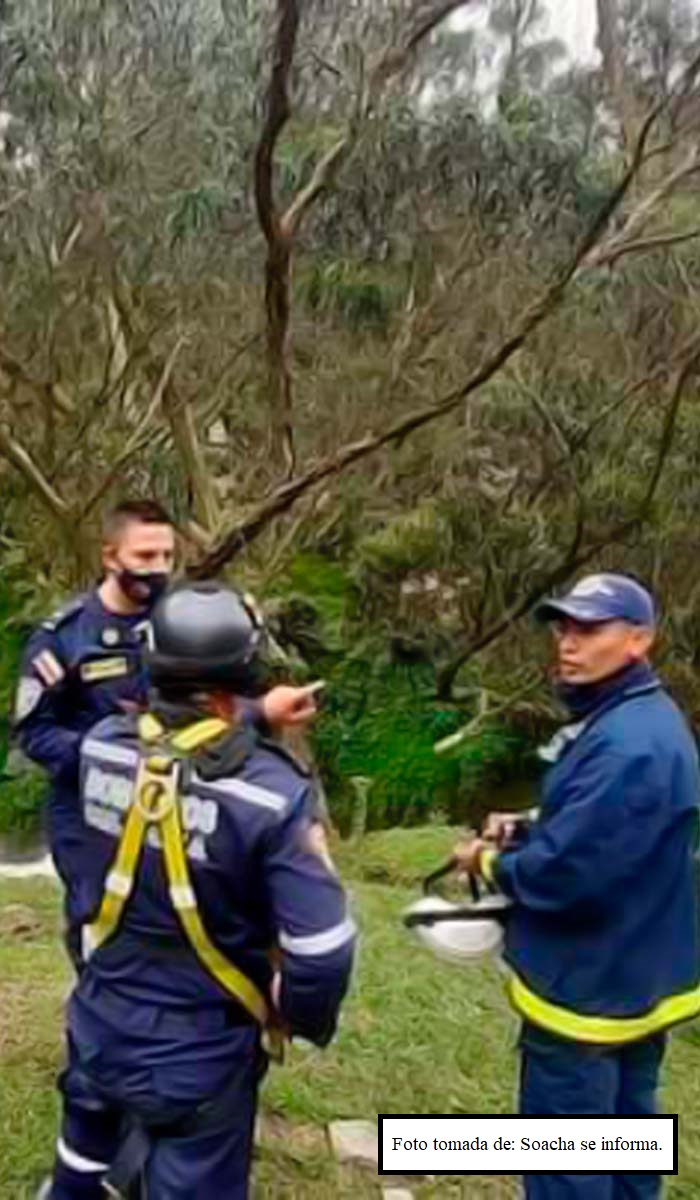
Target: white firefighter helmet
{"type": "Point", "coordinates": [460, 933]}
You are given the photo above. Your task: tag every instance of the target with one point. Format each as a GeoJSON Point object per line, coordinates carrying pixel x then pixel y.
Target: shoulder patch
{"type": "Point", "coordinates": [29, 693]}
{"type": "Point", "coordinates": [48, 668]}
{"type": "Point", "coordinates": [70, 609]}
{"type": "Point", "coordinates": [104, 668]}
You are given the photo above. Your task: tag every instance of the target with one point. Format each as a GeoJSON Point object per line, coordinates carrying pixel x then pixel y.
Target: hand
{"type": "Point", "coordinates": [316, 842]}
{"type": "Point", "coordinates": [468, 855]}
{"type": "Point", "coordinates": [276, 990]}
{"type": "Point", "coordinates": [499, 828]}
{"type": "Point", "coordinates": [275, 1018]}
{"type": "Point", "coordinates": [285, 705]}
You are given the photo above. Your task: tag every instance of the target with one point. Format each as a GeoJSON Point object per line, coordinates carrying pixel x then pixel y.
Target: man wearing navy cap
{"type": "Point", "coordinates": [603, 943]}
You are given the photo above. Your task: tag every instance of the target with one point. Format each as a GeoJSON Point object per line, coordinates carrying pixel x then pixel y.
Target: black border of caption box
{"type": "Point", "coordinates": [381, 1117]}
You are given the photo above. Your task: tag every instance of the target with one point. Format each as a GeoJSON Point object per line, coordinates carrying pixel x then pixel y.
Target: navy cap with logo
{"type": "Point", "coordinates": [600, 598]}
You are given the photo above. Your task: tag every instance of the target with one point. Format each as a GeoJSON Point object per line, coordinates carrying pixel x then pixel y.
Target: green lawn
{"type": "Point", "coordinates": [415, 1037]}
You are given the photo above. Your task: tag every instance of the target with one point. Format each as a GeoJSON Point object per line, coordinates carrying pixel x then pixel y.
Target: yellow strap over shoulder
{"type": "Point", "coordinates": [157, 802]}
{"type": "Point", "coordinates": [119, 882]}
{"type": "Point", "coordinates": [185, 740]}
{"type": "Point", "coordinates": [193, 736]}
{"type": "Point", "coordinates": [185, 903]}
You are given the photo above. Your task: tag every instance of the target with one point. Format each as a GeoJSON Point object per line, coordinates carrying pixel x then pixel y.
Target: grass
{"type": "Point", "coordinates": [416, 1036]}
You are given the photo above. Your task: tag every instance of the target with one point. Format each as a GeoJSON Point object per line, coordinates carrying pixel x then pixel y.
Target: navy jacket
{"type": "Point", "coordinates": [80, 665]}
{"type": "Point", "coordinates": [257, 876]}
{"type": "Point", "coordinates": [605, 920]}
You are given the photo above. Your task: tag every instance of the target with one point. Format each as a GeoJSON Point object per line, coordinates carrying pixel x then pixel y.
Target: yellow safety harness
{"type": "Point", "coordinates": [156, 802]}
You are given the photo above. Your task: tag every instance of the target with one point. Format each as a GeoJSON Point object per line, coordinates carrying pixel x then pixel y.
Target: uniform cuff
{"type": "Point", "coordinates": [487, 862]}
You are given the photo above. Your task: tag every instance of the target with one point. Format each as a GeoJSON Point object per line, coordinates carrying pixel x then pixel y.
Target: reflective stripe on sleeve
{"type": "Point", "coordinates": [249, 792]}
{"type": "Point", "coordinates": [315, 944]}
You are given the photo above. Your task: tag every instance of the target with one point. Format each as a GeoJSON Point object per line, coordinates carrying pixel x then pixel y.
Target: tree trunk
{"type": "Point", "coordinates": [619, 87]}
{"type": "Point", "coordinates": [278, 281]}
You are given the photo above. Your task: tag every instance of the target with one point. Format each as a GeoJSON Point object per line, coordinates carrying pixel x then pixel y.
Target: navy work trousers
{"type": "Point", "coordinates": [199, 1167]}
{"type": "Point", "coordinates": [186, 1087]}
{"type": "Point", "coordinates": [560, 1076]}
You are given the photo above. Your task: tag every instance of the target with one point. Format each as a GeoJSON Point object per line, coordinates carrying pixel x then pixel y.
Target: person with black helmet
{"type": "Point", "coordinates": [212, 923]}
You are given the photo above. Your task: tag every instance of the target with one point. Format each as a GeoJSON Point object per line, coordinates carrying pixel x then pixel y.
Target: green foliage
{"type": "Point", "coordinates": [315, 599]}
{"type": "Point", "coordinates": [380, 718]}
{"type": "Point", "coordinates": [401, 857]}
{"type": "Point", "coordinates": [416, 1035]}
{"type": "Point", "coordinates": [22, 793]}
{"type": "Point", "coordinates": [196, 212]}
{"type": "Point", "coordinates": [135, 234]}
{"type": "Point", "coordinates": [358, 293]}
{"type": "Point", "coordinates": [411, 541]}
{"type": "Point", "coordinates": [381, 721]}
{"type": "Point", "coordinates": [10, 650]}
{"type": "Point", "coordinates": [22, 798]}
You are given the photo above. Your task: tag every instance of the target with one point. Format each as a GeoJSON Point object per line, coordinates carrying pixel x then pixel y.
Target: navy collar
{"type": "Point", "coordinates": [584, 700]}
{"type": "Point", "coordinates": [95, 606]}
{"type": "Point", "coordinates": [586, 704]}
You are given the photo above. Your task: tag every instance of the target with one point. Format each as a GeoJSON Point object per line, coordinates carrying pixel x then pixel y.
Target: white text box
{"type": "Point", "coordinates": [512, 1145]}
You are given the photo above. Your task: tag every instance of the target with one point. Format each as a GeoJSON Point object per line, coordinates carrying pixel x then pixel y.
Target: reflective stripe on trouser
{"type": "Point", "coordinates": [560, 1077]}
{"type": "Point", "coordinates": [89, 1138]}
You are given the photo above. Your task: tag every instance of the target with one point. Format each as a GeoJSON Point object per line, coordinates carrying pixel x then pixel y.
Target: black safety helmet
{"type": "Point", "coordinates": [203, 635]}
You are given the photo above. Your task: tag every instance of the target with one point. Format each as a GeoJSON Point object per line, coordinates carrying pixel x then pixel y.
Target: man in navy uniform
{"type": "Point", "coordinates": [603, 941]}
{"type": "Point", "coordinates": [85, 662]}
{"type": "Point", "coordinates": [207, 911]}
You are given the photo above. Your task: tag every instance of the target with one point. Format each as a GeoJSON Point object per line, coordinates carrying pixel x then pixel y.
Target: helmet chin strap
{"type": "Point", "coordinates": [222, 705]}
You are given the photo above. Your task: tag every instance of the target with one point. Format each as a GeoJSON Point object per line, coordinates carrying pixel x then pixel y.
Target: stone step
{"type": "Point", "coordinates": [355, 1142]}
{"type": "Point", "coordinates": [35, 869]}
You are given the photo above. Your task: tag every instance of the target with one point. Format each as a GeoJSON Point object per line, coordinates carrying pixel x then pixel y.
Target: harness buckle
{"type": "Point", "coordinates": [155, 798]}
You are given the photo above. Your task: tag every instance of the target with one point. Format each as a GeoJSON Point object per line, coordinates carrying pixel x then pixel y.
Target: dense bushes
{"type": "Point", "coordinates": [21, 790]}
{"type": "Point", "coordinates": [380, 717]}
{"type": "Point", "coordinates": [381, 723]}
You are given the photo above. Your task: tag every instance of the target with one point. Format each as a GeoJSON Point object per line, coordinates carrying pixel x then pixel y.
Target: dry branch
{"type": "Point", "coordinates": [284, 497]}
{"type": "Point", "coordinates": [627, 239]}
{"type": "Point", "coordinates": [658, 242]}
{"type": "Point", "coordinates": [47, 390]}
{"type": "Point", "coordinates": [139, 437]}
{"type": "Point", "coordinates": [184, 432]}
{"type": "Point", "coordinates": [574, 558]}
{"type": "Point", "coordinates": [280, 228]}
{"type": "Point", "coordinates": [21, 459]}
{"type": "Point", "coordinates": [278, 263]}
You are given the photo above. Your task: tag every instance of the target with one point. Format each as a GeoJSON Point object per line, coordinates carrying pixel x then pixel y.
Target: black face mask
{"type": "Point", "coordinates": [142, 587]}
